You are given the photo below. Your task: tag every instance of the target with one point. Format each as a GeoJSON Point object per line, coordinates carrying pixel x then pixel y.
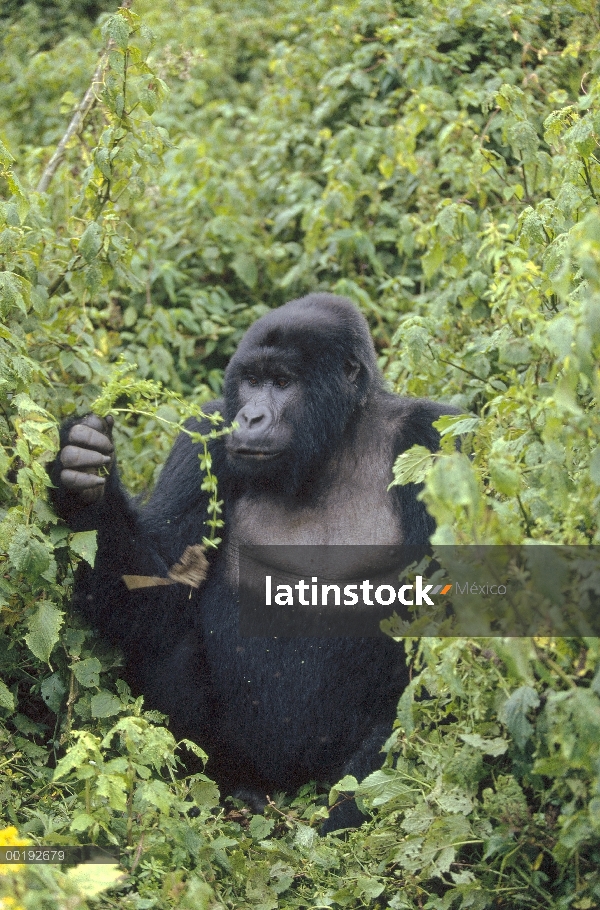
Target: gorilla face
{"type": "Point", "coordinates": [267, 397]}
{"type": "Point", "coordinates": [299, 376]}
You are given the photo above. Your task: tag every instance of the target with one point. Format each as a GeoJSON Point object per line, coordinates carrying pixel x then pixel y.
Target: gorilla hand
{"type": "Point", "coordinates": [89, 449]}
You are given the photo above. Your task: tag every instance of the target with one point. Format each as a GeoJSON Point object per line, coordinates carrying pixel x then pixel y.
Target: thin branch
{"type": "Point", "coordinates": [484, 136]}
{"type": "Point", "coordinates": [588, 180]}
{"type": "Point", "coordinates": [527, 197]}
{"type": "Point", "coordinates": [84, 107]}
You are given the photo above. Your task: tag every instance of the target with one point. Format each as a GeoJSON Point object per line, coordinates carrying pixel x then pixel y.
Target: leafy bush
{"type": "Point", "coordinates": [437, 164]}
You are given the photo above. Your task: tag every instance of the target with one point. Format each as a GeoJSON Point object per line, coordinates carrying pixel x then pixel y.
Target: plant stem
{"type": "Point", "coordinates": [84, 107]}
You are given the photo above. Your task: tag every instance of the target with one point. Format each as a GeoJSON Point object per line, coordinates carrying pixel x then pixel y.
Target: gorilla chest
{"type": "Point", "coordinates": [343, 512]}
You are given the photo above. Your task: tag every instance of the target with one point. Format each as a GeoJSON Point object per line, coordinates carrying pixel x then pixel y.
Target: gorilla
{"type": "Point", "coordinates": [308, 463]}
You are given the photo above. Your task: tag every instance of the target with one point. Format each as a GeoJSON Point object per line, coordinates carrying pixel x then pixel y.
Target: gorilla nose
{"type": "Point", "coordinates": [253, 420]}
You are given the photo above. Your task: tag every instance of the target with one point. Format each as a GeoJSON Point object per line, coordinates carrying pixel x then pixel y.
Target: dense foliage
{"type": "Point", "coordinates": [438, 164]}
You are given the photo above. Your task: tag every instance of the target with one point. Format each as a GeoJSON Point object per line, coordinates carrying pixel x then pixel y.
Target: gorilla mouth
{"type": "Point", "coordinates": [255, 454]}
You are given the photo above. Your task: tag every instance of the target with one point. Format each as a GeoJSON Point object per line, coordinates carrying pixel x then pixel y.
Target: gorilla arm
{"type": "Point", "coordinates": [88, 495]}
{"type": "Point", "coordinates": [135, 539]}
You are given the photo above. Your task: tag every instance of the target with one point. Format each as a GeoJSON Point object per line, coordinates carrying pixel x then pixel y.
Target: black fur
{"type": "Point", "coordinates": [272, 713]}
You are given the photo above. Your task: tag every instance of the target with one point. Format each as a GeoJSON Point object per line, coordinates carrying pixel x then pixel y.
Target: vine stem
{"type": "Point", "coordinates": [84, 107]}
{"type": "Point", "coordinates": [214, 506]}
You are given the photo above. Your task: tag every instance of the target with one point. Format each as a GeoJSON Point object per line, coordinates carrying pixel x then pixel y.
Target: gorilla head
{"type": "Point", "coordinates": [298, 377]}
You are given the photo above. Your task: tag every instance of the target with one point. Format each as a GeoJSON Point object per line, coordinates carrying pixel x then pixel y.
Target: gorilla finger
{"type": "Point", "coordinates": [77, 480]}
{"type": "Point", "coordinates": [75, 457]}
{"type": "Point", "coordinates": [102, 424]}
{"type": "Point", "coordinates": [87, 436]}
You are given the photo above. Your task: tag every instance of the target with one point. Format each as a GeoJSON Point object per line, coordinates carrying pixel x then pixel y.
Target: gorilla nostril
{"type": "Point", "coordinates": [256, 419]}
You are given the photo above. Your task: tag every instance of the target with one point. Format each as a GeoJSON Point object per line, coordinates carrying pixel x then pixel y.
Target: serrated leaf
{"type": "Point", "coordinates": [205, 792]}
{"type": "Point", "coordinates": [156, 793]}
{"type": "Point", "coordinates": [102, 162]}
{"type": "Point", "coordinates": [87, 672]}
{"type": "Point", "coordinates": [81, 821]}
{"type": "Point", "coordinates": [383, 786]}
{"type": "Point", "coordinates": [515, 711]}
{"type": "Point", "coordinates": [27, 552]}
{"type": "Point", "coordinates": [305, 837]}
{"type": "Point", "coordinates": [44, 627]}
{"type": "Point", "coordinates": [7, 699]}
{"type": "Point", "coordinates": [103, 704]}
{"type": "Point", "coordinates": [412, 466]}
{"type": "Point", "coordinates": [533, 227]}
{"type": "Point", "coordinates": [90, 242]}
{"type": "Point", "coordinates": [261, 827]}
{"type": "Point", "coordinates": [194, 749]}
{"type": "Point", "coordinates": [504, 478]}
{"type": "Point", "coordinates": [496, 746]}
{"type": "Point", "coordinates": [456, 425]}
{"type": "Point", "coordinates": [5, 156]}
{"type": "Point", "coordinates": [53, 690]}
{"type": "Point", "coordinates": [432, 260]}
{"type": "Point", "coordinates": [117, 29]}
{"type": "Point", "coordinates": [85, 544]}
{"type": "Point", "coordinates": [148, 100]}
{"type": "Point", "coordinates": [455, 802]}
{"type": "Point", "coordinates": [14, 292]}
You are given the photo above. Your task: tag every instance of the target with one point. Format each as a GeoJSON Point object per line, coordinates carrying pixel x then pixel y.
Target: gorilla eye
{"type": "Point", "coordinates": [252, 380]}
{"type": "Point", "coordinates": [282, 382]}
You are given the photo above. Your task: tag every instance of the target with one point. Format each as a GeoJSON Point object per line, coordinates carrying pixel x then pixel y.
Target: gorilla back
{"type": "Point", "coordinates": [309, 463]}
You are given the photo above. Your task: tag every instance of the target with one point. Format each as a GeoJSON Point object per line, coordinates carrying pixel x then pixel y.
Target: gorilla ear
{"type": "Point", "coordinates": [352, 369]}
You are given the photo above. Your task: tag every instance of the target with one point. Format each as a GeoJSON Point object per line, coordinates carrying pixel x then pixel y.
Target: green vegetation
{"type": "Point", "coordinates": [436, 162]}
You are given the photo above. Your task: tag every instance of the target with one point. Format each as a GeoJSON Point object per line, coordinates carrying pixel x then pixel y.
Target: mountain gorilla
{"type": "Point", "coordinates": [309, 463]}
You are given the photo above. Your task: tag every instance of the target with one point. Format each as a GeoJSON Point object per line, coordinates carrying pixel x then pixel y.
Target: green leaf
{"type": "Point", "coordinates": [204, 792]}
{"type": "Point", "coordinates": [385, 785]}
{"type": "Point", "coordinates": [85, 544]}
{"type": "Point", "coordinates": [347, 784]}
{"type": "Point", "coordinates": [260, 827]}
{"type": "Point", "coordinates": [87, 672]}
{"type": "Point", "coordinates": [456, 425]}
{"type": "Point", "coordinates": [412, 466]}
{"type": "Point", "coordinates": [496, 746]}
{"type": "Point", "coordinates": [43, 628]}
{"type": "Point", "coordinates": [53, 691]}
{"type": "Point", "coordinates": [6, 158]}
{"type": "Point", "coordinates": [305, 837]}
{"type": "Point", "coordinates": [156, 793]}
{"type": "Point", "coordinates": [432, 260]}
{"type": "Point", "coordinates": [281, 876]}
{"type": "Point", "coordinates": [7, 699]}
{"type": "Point", "coordinates": [595, 466]}
{"type": "Point", "coordinates": [505, 478]}
{"type": "Point", "coordinates": [28, 553]}
{"type": "Point", "coordinates": [245, 268]}
{"type": "Point", "coordinates": [117, 29]}
{"type": "Point", "coordinates": [194, 749]}
{"type": "Point", "coordinates": [515, 712]}
{"type": "Point", "coordinates": [91, 879]}
{"type": "Point", "coordinates": [148, 100]}
{"type": "Point", "coordinates": [90, 242]}
{"type": "Point", "coordinates": [104, 704]}
{"type": "Point", "coordinates": [82, 821]}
